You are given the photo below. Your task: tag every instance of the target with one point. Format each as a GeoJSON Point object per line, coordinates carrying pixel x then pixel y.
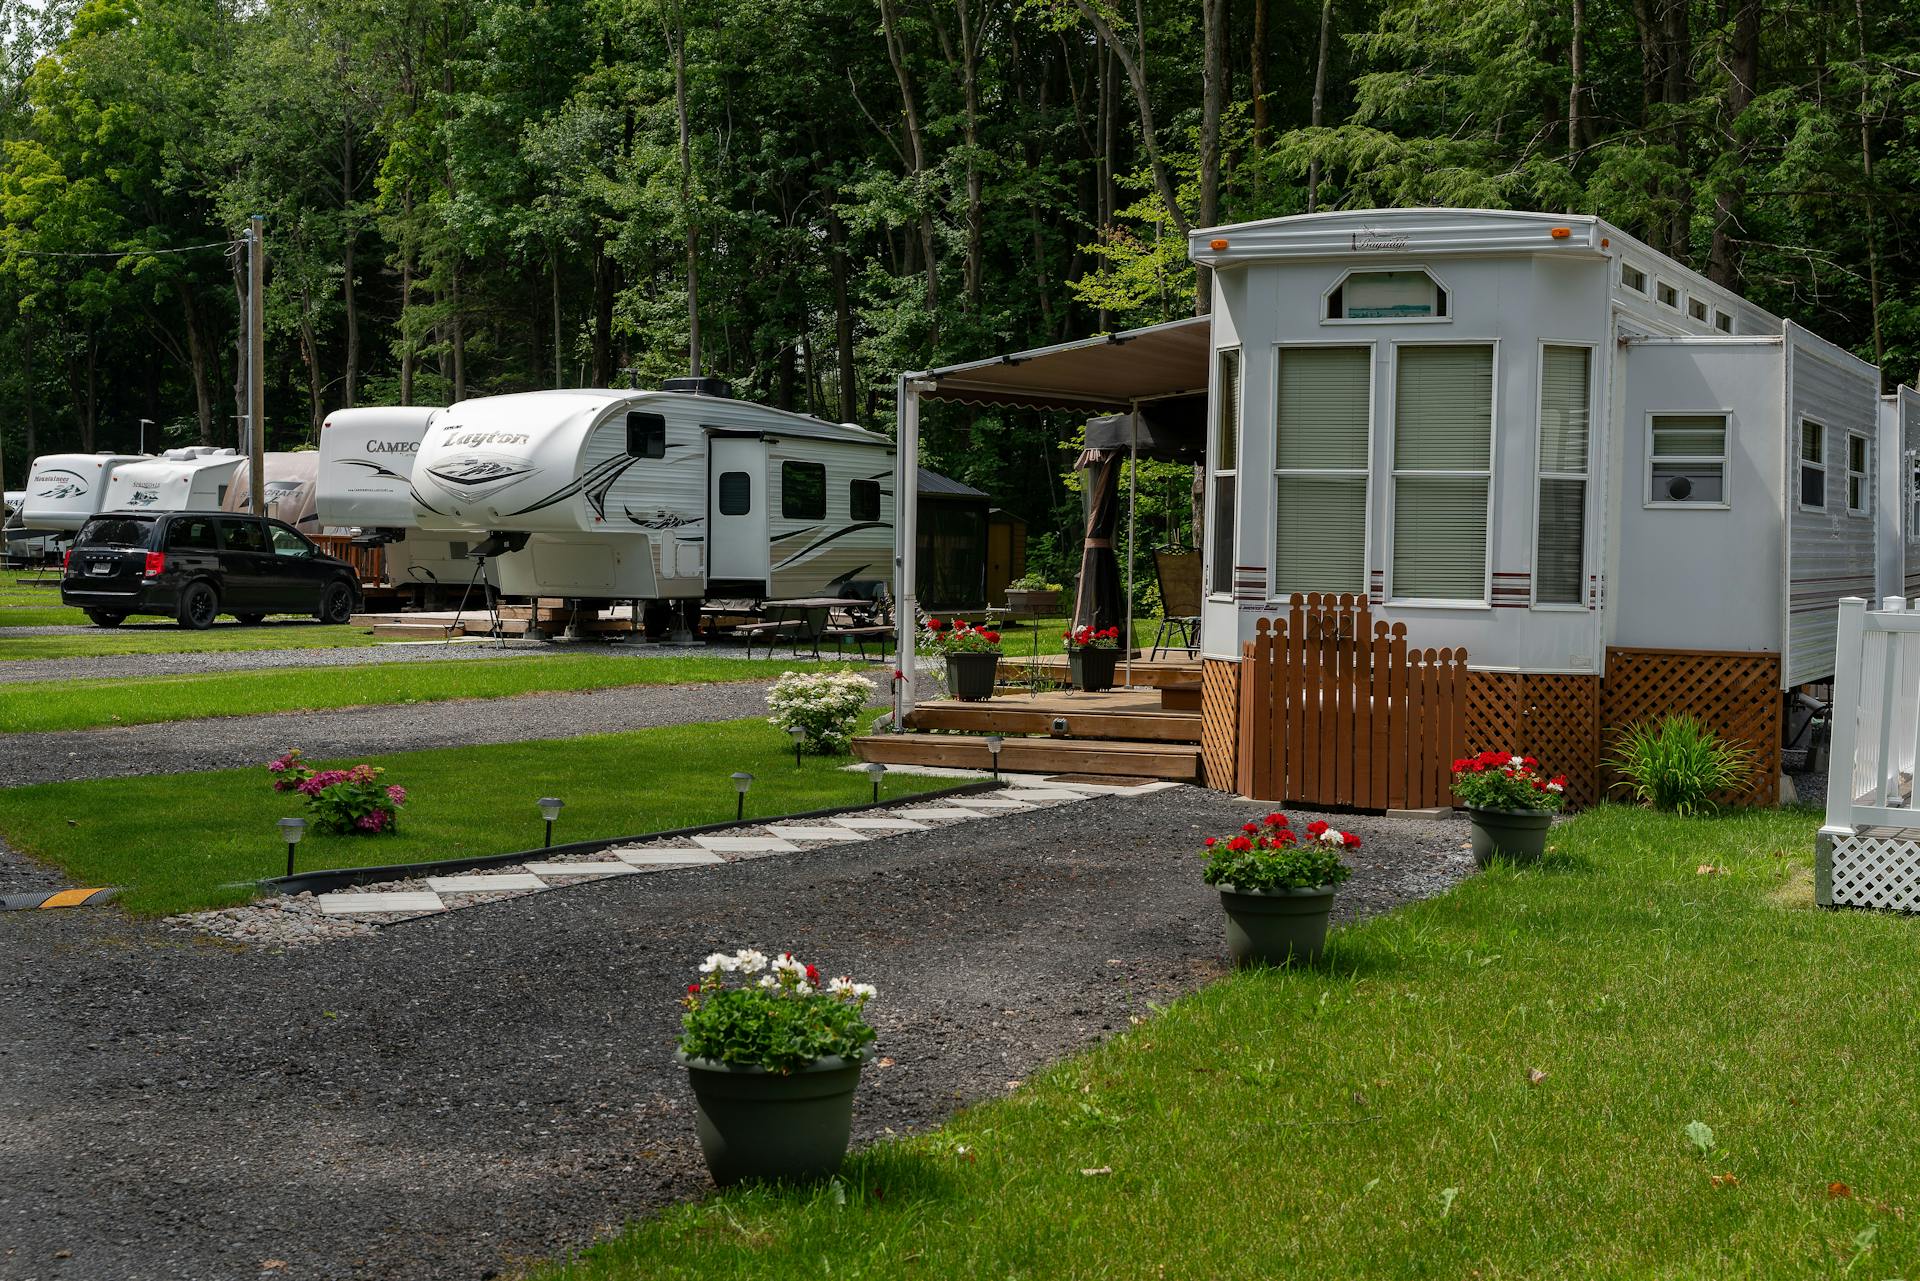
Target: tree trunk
{"type": "Point", "coordinates": [1213, 100]}
{"type": "Point", "coordinates": [559, 357]}
{"type": "Point", "coordinates": [1257, 75]}
{"type": "Point", "coordinates": [241, 348]}
{"type": "Point", "coordinates": [917, 144]}
{"type": "Point", "coordinates": [197, 354]}
{"type": "Point", "coordinates": [1743, 74]}
{"type": "Point", "coordinates": [457, 318]}
{"type": "Point", "coordinates": [33, 446]}
{"type": "Point", "coordinates": [349, 298]}
{"type": "Point", "coordinates": [1866, 176]}
{"type": "Point", "coordinates": [678, 40]}
{"type": "Point", "coordinates": [310, 356]}
{"type": "Point", "coordinates": [842, 319]}
{"type": "Point", "coordinates": [1577, 65]}
{"type": "Point", "coordinates": [603, 292]}
{"type": "Point", "coordinates": [1319, 99]}
{"type": "Point", "coordinates": [1134, 62]}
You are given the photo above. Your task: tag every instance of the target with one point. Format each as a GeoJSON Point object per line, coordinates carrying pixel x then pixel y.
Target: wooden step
{"type": "Point", "coordinates": [1010, 716]}
{"type": "Point", "coordinates": [1177, 762]}
{"type": "Point", "coordinates": [1181, 697]}
{"type": "Point", "coordinates": [415, 631]}
{"type": "Point", "coordinates": [1147, 672]}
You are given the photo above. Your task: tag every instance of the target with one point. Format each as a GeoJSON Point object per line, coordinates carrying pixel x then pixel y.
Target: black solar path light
{"type": "Point", "coordinates": [799, 733]}
{"type": "Point", "coordinates": [291, 830]}
{"type": "Point", "coordinates": [876, 771]}
{"type": "Point", "coordinates": [741, 782]}
{"type": "Point", "coordinates": [994, 742]}
{"type": "Point", "coordinates": [550, 807]}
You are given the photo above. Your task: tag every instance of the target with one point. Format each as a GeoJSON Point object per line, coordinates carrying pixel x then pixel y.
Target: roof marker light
{"type": "Point", "coordinates": [1217, 243]}
{"type": "Point", "coordinates": [1605, 241]}
{"type": "Point", "coordinates": [1561, 233]}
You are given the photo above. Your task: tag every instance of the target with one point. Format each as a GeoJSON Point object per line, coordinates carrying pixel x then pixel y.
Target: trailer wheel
{"type": "Point", "coordinates": [199, 604]}
{"type": "Point", "coordinates": [105, 618]}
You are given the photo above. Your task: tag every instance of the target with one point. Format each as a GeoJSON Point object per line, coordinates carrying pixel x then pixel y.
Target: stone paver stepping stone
{"type": "Point", "coordinates": [989, 803]}
{"type": "Point", "coordinates": [747, 844]}
{"type": "Point", "coordinates": [675, 858]}
{"type": "Point", "coordinates": [1042, 794]}
{"type": "Point", "coordinates": [879, 823]}
{"type": "Point", "coordinates": [383, 901]}
{"type": "Point", "coordinates": [485, 884]}
{"type": "Point", "coordinates": [797, 833]}
{"type": "Point", "coordinates": [581, 869]}
{"type": "Point", "coordinates": [940, 815]}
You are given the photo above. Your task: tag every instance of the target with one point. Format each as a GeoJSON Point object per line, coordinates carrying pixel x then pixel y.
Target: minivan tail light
{"type": "Point", "coordinates": [156, 564]}
{"type": "Point", "coordinates": [66, 561]}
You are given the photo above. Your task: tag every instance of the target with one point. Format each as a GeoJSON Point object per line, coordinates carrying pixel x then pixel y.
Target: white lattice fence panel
{"type": "Point", "coordinates": [1876, 871]}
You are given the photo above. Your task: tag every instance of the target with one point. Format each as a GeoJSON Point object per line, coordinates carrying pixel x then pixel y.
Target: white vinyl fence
{"type": "Point", "coordinates": [1876, 740]}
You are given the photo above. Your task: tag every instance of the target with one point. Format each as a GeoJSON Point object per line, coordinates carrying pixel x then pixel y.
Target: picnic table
{"type": "Point", "coordinates": [808, 620]}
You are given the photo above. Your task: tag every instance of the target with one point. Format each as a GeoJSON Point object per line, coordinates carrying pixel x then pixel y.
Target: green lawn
{"type": "Point", "coordinates": [164, 638]}
{"type": "Point", "coordinates": [77, 704]}
{"type": "Point", "coordinates": [1379, 1117]}
{"type": "Point", "coordinates": [174, 841]}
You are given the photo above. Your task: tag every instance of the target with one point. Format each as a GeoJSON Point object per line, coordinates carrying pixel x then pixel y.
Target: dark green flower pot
{"type": "Point", "coordinates": [1093, 668]}
{"type": "Point", "coordinates": [756, 1124]}
{"type": "Point", "coordinates": [1276, 927]}
{"type": "Point", "coordinates": [970, 676]}
{"type": "Point", "coordinates": [1519, 836]}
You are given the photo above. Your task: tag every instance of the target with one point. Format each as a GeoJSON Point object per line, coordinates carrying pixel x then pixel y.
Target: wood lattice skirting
{"type": "Point", "coordinates": [1219, 722]}
{"type": "Point", "coordinates": [1736, 695]}
{"type": "Point", "coordinates": [1552, 717]}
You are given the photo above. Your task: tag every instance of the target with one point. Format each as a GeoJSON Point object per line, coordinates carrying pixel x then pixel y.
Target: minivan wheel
{"type": "Point", "coordinates": [105, 618]}
{"type": "Point", "coordinates": [337, 605]}
{"type": "Point", "coordinates": [199, 603]}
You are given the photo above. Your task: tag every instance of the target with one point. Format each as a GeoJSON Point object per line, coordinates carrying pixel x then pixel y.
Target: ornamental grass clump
{"type": "Point", "coordinates": [1677, 764]}
{"type": "Point", "coordinates": [1504, 781]}
{"type": "Point", "coordinates": [1267, 855]}
{"type": "Point", "coordinates": [824, 705]}
{"type": "Point", "coordinates": [749, 1010]}
{"type": "Point", "coordinates": [345, 802]}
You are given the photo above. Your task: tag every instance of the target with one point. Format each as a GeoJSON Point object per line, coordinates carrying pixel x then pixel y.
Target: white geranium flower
{"type": "Point", "coordinates": [842, 986]}
{"type": "Point", "coordinates": [1516, 761]}
{"type": "Point", "coordinates": [864, 991]}
{"type": "Point", "coordinates": [787, 965]}
{"type": "Point", "coordinates": [767, 980]}
{"type": "Point", "coordinates": [1556, 787]}
{"type": "Point", "coordinates": [750, 961]}
{"type": "Point", "coordinates": [719, 961]}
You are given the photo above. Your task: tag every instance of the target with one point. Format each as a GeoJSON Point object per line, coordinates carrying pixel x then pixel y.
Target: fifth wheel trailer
{"type": "Point", "coordinates": [659, 495]}
{"type": "Point", "coordinates": [63, 490]}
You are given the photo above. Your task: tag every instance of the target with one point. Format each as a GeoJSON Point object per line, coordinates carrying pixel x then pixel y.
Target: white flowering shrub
{"type": "Point", "coordinates": [826, 705]}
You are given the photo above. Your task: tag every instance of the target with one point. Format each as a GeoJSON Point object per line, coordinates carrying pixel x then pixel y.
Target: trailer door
{"type": "Point", "coordinates": [737, 553]}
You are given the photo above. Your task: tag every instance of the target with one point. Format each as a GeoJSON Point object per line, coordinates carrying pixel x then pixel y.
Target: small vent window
{"type": "Point", "coordinates": [736, 493]}
{"type": "Point", "coordinates": [646, 436]}
{"type": "Point", "coordinates": [1633, 278]}
{"type": "Point", "coordinates": [1667, 294]}
{"type": "Point", "coordinates": [1697, 309]}
{"type": "Point", "coordinates": [803, 491]}
{"type": "Point", "coordinates": [863, 499]}
{"type": "Point", "coordinates": [1723, 322]}
{"type": "Point", "coordinates": [1688, 461]}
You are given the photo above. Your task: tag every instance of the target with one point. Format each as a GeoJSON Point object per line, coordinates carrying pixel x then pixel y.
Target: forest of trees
{"type": "Point", "coordinates": [467, 197]}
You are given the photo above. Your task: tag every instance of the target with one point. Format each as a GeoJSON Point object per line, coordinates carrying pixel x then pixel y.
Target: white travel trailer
{"type": "Point", "coordinates": [190, 479]}
{"type": "Point", "coordinates": [1534, 436]}
{"type": "Point", "coordinates": [365, 484]}
{"type": "Point", "coordinates": [63, 490]}
{"type": "Point", "coordinates": [287, 485]}
{"type": "Point", "coordinates": [660, 495]}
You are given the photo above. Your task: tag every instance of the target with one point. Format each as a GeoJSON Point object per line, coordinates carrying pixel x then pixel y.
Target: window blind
{"type": "Point", "coordinates": [1442, 422]}
{"type": "Point", "coordinates": [1563, 410]}
{"type": "Point", "coordinates": [1226, 451]}
{"type": "Point", "coordinates": [1320, 534]}
{"type": "Point", "coordinates": [1557, 569]}
{"type": "Point", "coordinates": [1565, 418]}
{"type": "Point", "coordinates": [1440, 538]}
{"type": "Point", "coordinates": [1323, 408]}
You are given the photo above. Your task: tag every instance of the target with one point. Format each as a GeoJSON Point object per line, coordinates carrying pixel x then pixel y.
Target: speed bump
{"type": "Point", "coordinates": [55, 898]}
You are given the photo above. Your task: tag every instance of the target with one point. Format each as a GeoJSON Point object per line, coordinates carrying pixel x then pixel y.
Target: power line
{"type": "Point", "coordinates": [121, 253]}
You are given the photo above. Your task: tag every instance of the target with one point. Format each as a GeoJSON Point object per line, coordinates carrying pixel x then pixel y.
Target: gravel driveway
{"type": "Point", "coordinates": [181, 747]}
{"type": "Point", "coordinates": [494, 1085]}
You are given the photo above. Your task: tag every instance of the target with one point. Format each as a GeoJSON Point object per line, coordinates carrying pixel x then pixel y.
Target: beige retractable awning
{"type": "Point", "coordinates": [1112, 372]}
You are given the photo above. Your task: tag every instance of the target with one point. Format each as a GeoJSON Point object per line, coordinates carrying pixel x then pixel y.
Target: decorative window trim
{"type": "Point", "coordinates": [1724, 458]}
{"type": "Point", "coordinates": [1585, 477]}
{"type": "Point", "coordinates": [1326, 297]}
{"type": "Point", "coordinates": [1394, 475]}
{"type": "Point", "coordinates": [1863, 478]}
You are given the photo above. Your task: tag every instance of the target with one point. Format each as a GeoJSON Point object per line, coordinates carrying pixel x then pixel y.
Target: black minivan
{"type": "Point", "coordinates": [192, 566]}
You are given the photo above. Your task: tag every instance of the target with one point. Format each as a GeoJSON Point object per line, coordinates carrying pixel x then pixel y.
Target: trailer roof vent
{"type": "Point", "coordinates": [699, 387]}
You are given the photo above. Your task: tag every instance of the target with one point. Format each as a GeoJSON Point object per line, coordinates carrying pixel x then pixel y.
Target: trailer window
{"type": "Point", "coordinates": [1559, 570]}
{"type": "Point", "coordinates": [1856, 473]}
{"type": "Point", "coordinates": [1226, 467]}
{"type": "Point", "coordinates": [863, 499]}
{"type": "Point", "coordinates": [1697, 309]}
{"type": "Point", "coordinates": [1813, 466]}
{"type": "Point", "coordinates": [1442, 472]}
{"type": "Point", "coordinates": [1687, 463]}
{"type": "Point", "coordinates": [803, 491]}
{"type": "Point", "coordinates": [1323, 414]}
{"type": "Point", "coordinates": [1387, 295]}
{"type": "Point", "coordinates": [1632, 277]}
{"type": "Point", "coordinates": [1668, 295]}
{"type": "Point", "coordinates": [646, 436]}
{"type": "Point", "coordinates": [736, 493]}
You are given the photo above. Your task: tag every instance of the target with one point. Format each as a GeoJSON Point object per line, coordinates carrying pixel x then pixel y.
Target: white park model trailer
{"type": "Point", "coordinates": [659, 495]}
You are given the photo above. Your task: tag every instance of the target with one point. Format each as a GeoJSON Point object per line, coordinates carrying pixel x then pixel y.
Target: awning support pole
{"type": "Point", "coordinates": [906, 533]}
{"type": "Point", "coordinates": [1133, 505]}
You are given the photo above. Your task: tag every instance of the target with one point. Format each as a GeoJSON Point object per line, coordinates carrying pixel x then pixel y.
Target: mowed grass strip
{"type": "Point", "coordinates": [1377, 1118]}
{"type": "Point", "coordinates": [164, 638]}
{"type": "Point", "coordinates": [176, 842]}
{"type": "Point", "coordinates": [32, 706]}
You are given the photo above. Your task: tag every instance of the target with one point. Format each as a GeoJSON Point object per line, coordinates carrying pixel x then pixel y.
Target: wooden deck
{"type": "Point", "coordinates": [1122, 733]}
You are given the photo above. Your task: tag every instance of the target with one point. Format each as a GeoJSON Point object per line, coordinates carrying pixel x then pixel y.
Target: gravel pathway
{"type": "Point", "coordinates": [181, 747]}
{"type": "Point", "coordinates": [116, 666]}
{"type": "Point", "coordinates": [467, 1092]}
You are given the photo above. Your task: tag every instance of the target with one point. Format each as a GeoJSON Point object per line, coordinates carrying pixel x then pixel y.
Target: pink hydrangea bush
{"type": "Point", "coordinates": [346, 802]}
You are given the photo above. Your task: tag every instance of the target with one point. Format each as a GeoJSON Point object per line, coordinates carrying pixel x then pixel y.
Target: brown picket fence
{"type": "Point", "coordinates": [1337, 709]}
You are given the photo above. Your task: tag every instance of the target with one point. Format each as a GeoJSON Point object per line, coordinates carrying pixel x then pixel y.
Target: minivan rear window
{"type": "Point", "coordinates": [116, 531]}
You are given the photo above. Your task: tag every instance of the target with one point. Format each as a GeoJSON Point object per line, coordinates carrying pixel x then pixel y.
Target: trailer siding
{"type": "Point", "coordinates": [1830, 552]}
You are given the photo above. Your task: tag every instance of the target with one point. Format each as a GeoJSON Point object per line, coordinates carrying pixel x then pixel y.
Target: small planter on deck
{"type": "Point", "coordinates": [970, 676]}
{"type": "Point", "coordinates": [1092, 656]}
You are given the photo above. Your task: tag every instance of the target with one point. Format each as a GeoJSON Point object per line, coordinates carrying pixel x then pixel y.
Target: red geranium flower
{"type": "Point", "coordinates": [1239, 845]}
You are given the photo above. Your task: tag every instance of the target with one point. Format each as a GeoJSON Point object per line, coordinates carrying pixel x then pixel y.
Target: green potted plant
{"type": "Point", "coordinates": [1032, 596]}
{"type": "Point", "coordinates": [1092, 656]}
{"type": "Point", "coordinates": [774, 1056]}
{"type": "Point", "coordinates": [1509, 804]}
{"type": "Point", "coordinates": [1276, 888]}
{"type": "Point", "coordinates": [973, 657]}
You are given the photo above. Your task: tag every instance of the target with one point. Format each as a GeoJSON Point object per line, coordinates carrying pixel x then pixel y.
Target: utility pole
{"type": "Point", "coordinates": [144, 424]}
{"type": "Point", "coordinates": [256, 364]}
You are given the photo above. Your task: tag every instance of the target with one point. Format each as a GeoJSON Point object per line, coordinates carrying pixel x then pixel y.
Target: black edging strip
{"type": "Point", "coordinates": [326, 880]}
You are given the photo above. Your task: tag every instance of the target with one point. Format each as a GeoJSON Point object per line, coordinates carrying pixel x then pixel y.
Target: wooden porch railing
{"type": "Point", "coordinates": [1337, 709]}
{"type": "Point", "coordinates": [369, 561]}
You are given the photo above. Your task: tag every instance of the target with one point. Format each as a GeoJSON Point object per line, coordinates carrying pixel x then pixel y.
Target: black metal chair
{"type": "Point", "coordinates": [1178, 570]}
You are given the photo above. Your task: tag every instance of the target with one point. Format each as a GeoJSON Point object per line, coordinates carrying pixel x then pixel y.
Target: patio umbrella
{"type": "Point", "coordinates": [1096, 601]}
